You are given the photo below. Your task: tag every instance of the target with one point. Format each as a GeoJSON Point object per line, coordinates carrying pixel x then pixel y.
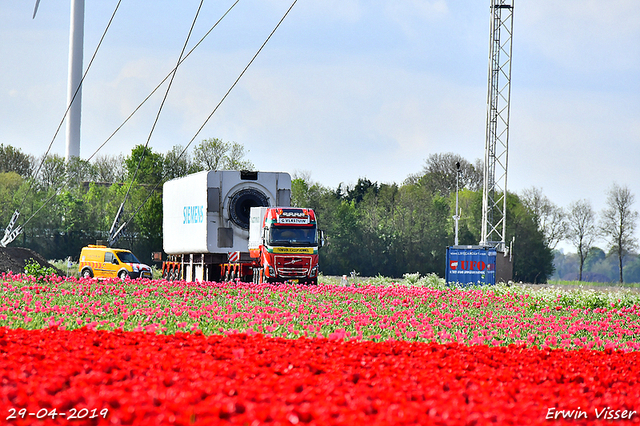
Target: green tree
{"type": "Point", "coordinates": [533, 259]}
{"type": "Point", "coordinates": [306, 193]}
{"type": "Point", "coordinates": [52, 172]}
{"type": "Point", "coordinates": [551, 219]}
{"type": "Point", "coordinates": [235, 158]}
{"type": "Point", "coordinates": [358, 192]}
{"type": "Point", "coordinates": [619, 223]}
{"type": "Point", "coordinates": [79, 171]}
{"type": "Point", "coordinates": [177, 163]}
{"type": "Point", "coordinates": [14, 160]}
{"type": "Point", "coordinates": [632, 269]}
{"type": "Point", "coordinates": [343, 251]}
{"type": "Point", "coordinates": [10, 182]}
{"type": "Point", "coordinates": [581, 231]}
{"type": "Point", "coordinates": [380, 235]}
{"type": "Point", "coordinates": [102, 201]}
{"type": "Point", "coordinates": [424, 231]}
{"type": "Point", "coordinates": [144, 165]}
{"type": "Point", "coordinates": [595, 255]}
{"type": "Point", "coordinates": [440, 170]}
{"type": "Point", "coordinates": [72, 226]}
{"type": "Point", "coordinates": [215, 154]}
{"type": "Point", "coordinates": [470, 205]}
{"type": "Point", "coordinates": [149, 225]}
{"type": "Point", "coordinates": [109, 168]}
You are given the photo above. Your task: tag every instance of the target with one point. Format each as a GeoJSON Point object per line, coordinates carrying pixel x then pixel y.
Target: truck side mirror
{"type": "Point", "coordinates": [321, 240]}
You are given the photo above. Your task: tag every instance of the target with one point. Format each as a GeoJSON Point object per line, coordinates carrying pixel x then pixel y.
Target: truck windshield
{"type": "Point", "coordinates": [292, 236]}
{"type": "Point", "coordinates": [127, 257]}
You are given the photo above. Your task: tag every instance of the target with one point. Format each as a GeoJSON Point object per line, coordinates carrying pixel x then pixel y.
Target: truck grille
{"type": "Point", "coordinates": [292, 266]}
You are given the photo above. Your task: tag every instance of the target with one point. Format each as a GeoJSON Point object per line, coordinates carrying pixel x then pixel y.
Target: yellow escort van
{"type": "Point", "coordinates": [104, 262]}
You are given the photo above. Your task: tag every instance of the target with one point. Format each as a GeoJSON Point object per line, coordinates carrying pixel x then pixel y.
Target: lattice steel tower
{"type": "Point", "coordinates": [494, 201]}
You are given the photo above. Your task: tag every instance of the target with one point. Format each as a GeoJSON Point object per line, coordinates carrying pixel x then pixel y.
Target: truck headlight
{"type": "Point", "coordinates": [314, 271]}
{"type": "Point", "coordinates": [270, 271]}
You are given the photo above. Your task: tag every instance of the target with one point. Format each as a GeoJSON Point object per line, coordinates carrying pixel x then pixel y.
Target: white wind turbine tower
{"type": "Point", "coordinates": [74, 85]}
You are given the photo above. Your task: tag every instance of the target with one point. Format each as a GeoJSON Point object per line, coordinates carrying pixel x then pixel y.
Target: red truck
{"type": "Point", "coordinates": [226, 225]}
{"type": "Point", "coordinates": [283, 247]}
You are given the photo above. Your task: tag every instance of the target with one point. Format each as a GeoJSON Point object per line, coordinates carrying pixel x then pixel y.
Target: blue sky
{"type": "Point", "coordinates": [346, 88]}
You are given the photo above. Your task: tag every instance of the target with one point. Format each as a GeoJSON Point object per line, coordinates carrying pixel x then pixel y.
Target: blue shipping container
{"type": "Point", "coordinates": [471, 265]}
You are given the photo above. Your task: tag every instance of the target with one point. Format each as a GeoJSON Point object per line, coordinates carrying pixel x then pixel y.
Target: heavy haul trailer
{"type": "Point", "coordinates": [210, 217]}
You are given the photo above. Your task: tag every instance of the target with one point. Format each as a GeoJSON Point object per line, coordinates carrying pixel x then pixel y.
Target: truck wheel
{"type": "Point", "coordinates": [87, 273]}
{"type": "Point", "coordinates": [122, 275]}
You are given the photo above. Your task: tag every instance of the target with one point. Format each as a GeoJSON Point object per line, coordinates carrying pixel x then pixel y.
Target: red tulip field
{"type": "Point", "coordinates": [149, 352]}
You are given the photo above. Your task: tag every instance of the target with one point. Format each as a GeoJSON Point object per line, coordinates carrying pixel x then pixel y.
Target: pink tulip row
{"type": "Point", "coordinates": [471, 316]}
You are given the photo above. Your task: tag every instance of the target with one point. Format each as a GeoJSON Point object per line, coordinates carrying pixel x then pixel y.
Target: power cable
{"type": "Point", "coordinates": [239, 77]}
{"type": "Point", "coordinates": [9, 233]}
{"type": "Point", "coordinates": [74, 97]}
{"type": "Point", "coordinates": [163, 80]}
{"type": "Point", "coordinates": [114, 235]}
{"type": "Point", "coordinates": [214, 110]}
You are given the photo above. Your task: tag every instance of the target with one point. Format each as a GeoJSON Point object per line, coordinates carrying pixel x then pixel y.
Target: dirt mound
{"type": "Point", "coordinates": [14, 259]}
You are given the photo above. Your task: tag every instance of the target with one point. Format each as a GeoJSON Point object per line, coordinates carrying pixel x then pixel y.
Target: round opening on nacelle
{"type": "Point", "coordinates": [241, 203]}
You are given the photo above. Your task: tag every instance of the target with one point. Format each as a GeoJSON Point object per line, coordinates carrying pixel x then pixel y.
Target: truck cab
{"type": "Point", "coordinates": [284, 241]}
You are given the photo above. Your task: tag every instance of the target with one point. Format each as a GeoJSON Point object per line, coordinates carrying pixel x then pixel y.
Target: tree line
{"type": "Point", "coordinates": [391, 229]}
{"type": "Point", "coordinates": [372, 228]}
{"type": "Point", "coordinates": [582, 227]}
{"type": "Point", "coordinates": [599, 266]}
{"type": "Point", "coordinates": [78, 199]}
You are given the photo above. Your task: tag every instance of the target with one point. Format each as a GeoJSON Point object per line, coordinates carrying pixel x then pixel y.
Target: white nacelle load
{"type": "Point", "coordinates": [209, 212]}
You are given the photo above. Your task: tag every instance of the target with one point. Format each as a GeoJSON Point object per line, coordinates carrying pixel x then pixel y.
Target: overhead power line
{"type": "Point", "coordinates": [163, 80]}
{"type": "Point", "coordinates": [9, 233]}
{"type": "Point", "coordinates": [215, 109]}
{"type": "Point", "coordinates": [169, 75]}
{"type": "Point", "coordinates": [239, 77]}
{"type": "Point", "coordinates": [114, 234]}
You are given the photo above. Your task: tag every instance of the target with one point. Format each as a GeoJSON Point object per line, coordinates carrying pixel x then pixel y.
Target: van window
{"type": "Point", "coordinates": [127, 257]}
{"type": "Point", "coordinates": [108, 257]}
